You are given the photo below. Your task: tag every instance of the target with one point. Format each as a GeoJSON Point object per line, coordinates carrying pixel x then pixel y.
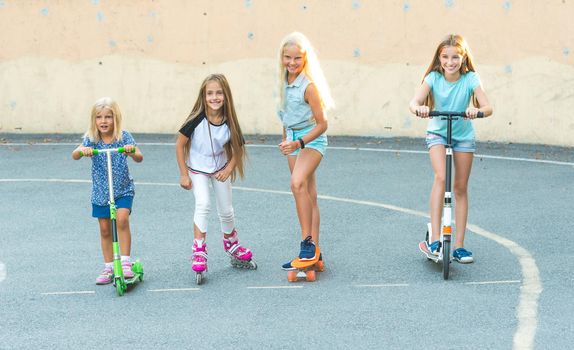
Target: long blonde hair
{"type": "Point", "coordinates": [458, 42]}
{"type": "Point", "coordinates": [311, 68]}
{"type": "Point", "coordinates": [105, 102]}
{"type": "Point", "coordinates": [235, 148]}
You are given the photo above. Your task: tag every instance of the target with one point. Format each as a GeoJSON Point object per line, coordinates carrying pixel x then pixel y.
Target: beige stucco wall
{"type": "Point", "coordinates": [57, 57]}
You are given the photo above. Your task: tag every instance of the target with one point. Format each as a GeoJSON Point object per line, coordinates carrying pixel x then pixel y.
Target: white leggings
{"type": "Point", "coordinates": [202, 202]}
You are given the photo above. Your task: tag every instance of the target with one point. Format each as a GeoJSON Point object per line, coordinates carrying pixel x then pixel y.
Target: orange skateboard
{"type": "Point", "coordinates": [306, 268]}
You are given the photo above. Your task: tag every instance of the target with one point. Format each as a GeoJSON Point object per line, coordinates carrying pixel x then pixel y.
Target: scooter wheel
{"type": "Point", "coordinates": [445, 259]}
{"type": "Point", "coordinates": [120, 288]}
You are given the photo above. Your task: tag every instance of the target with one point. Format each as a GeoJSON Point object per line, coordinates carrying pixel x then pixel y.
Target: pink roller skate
{"type": "Point", "coordinates": [199, 259]}
{"type": "Point", "coordinates": [241, 257]}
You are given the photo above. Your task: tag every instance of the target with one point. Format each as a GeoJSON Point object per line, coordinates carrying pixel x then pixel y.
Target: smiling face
{"type": "Point", "coordinates": [214, 97]}
{"type": "Point", "coordinates": [105, 122]}
{"type": "Point", "coordinates": [450, 61]}
{"type": "Point", "coordinates": [293, 59]}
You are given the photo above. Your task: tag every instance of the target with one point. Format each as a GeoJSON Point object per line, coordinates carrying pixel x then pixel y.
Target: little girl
{"type": "Point", "coordinates": [305, 97]}
{"type": "Point", "coordinates": [210, 149]}
{"type": "Point", "coordinates": [450, 83]}
{"type": "Point", "coordinates": [105, 131]}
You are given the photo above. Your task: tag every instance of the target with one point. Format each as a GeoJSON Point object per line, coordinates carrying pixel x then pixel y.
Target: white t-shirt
{"type": "Point", "coordinates": [207, 153]}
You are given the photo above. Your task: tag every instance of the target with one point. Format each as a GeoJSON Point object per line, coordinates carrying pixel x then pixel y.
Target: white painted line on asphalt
{"type": "Point", "coordinates": [531, 288]}
{"type": "Point", "coordinates": [174, 290]}
{"type": "Point", "coordinates": [527, 310]}
{"type": "Point", "coordinates": [46, 180]}
{"type": "Point", "coordinates": [381, 285]}
{"type": "Point", "coordinates": [275, 287]}
{"type": "Point", "coordinates": [383, 150]}
{"type": "Point", "coordinates": [2, 271]}
{"type": "Point", "coordinates": [70, 293]}
{"type": "Point", "coordinates": [494, 282]}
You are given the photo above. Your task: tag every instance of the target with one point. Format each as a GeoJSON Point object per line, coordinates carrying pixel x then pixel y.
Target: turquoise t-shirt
{"type": "Point", "coordinates": [453, 97]}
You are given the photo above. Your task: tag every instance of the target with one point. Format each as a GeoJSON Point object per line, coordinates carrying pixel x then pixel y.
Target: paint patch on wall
{"type": "Point", "coordinates": [449, 3]}
{"type": "Point", "coordinates": [304, 7]}
{"type": "Point", "coordinates": [112, 44]}
{"type": "Point", "coordinates": [357, 52]}
{"type": "Point", "coordinates": [152, 14]}
{"type": "Point", "coordinates": [356, 4]}
{"type": "Point", "coordinates": [2, 3]}
{"type": "Point", "coordinates": [507, 5]}
{"type": "Point", "coordinates": [13, 105]}
{"type": "Point", "coordinates": [100, 16]}
{"type": "Point", "coordinates": [406, 6]}
{"type": "Point", "coordinates": [250, 35]}
{"type": "Point", "coordinates": [566, 51]}
{"type": "Point", "coordinates": [508, 69]}
{"type": "Point", "coordinates": [150, 39]}
{"type": "Point", "coordinates": [45, 11]}
{"type": "Point", "coordinates": [248, 3]}
{"type": "Point", "coordinates": [95, 2]}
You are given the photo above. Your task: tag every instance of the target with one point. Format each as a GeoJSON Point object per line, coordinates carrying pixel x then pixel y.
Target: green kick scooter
{"type": "Point", "coordinates": [120, 282]}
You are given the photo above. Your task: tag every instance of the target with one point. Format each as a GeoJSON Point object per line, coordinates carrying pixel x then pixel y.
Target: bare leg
{"type": "Point", "coordinates": [437, 156]}
{"type": "Point", "coordinates": [197, 234]}
{"type": "Point", "coordinates": [124, 232]}
{"type": "Point", "coordinates": [106, 239]}
{"type": "Point", "coordinates": [316, 217]}
{"type": "Point", "coordinates": [463, 165]}
{"type": "Point", "coordinates": [303, 186]}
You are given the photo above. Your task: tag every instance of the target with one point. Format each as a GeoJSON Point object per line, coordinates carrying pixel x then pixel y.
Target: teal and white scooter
{"type": "Point", "coordinates": [120, 282]}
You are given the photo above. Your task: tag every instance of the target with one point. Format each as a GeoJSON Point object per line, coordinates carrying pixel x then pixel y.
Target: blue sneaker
{"type": "Point", "coordinates": [433, 247]}
{"type": "Point", "coordinates": [307, 249]}
{"type": "Point", "coordinates": [287, 266]}
{"type": "Point", "coordinates": [463, 256]}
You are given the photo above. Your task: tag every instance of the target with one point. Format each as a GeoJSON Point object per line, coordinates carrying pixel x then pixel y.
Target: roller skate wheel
{"type": "Point", "coordinates": [311, 276]}
{"type": "Point", "coordinates": [252, 265]}
{"type": "Point", "coordinates": [198, 278]}
{"type": "Point", "coordinates": [292, 276]}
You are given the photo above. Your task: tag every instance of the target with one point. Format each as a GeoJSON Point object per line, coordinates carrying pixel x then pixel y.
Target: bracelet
{"type": "Point", "coordinates": [301, 143]}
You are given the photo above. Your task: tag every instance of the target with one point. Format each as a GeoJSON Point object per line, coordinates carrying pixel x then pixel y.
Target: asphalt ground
{"type": "Point", "coordinates": [378, 291]}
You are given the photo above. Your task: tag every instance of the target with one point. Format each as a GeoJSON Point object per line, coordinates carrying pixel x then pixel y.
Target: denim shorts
{"type": "Point", "coordinates": [319, 144]}
{"type": "Point", "coordinates": [103, 211]}
{"type": "Point", "coordinates": [457, 146]}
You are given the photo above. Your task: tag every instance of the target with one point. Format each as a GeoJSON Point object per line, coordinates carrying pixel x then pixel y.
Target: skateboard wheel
{"type": "Point", "coordinates": [311, 276]}
{"type": "Point", "coordinates": [292, 276]}
{"type": "Point", "coordinates": [320, 266]}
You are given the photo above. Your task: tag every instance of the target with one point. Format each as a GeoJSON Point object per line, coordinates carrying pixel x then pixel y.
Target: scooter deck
{"type": "Point", "coordinates": [137, 269]}
{"type": "Point", "coordinates": [427, 253]}
{"type": "Point", "coordinates": [134, 279]}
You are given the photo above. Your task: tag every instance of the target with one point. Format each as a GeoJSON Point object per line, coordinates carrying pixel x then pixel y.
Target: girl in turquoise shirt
{"type": "Point", "coordinates": [450, 83]}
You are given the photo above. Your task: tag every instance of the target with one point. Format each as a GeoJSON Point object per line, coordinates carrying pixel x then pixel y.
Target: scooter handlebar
{"type": "Point", "coordinates": [95, 152]}
{"type": "Point", "coordinates": [452, 114]}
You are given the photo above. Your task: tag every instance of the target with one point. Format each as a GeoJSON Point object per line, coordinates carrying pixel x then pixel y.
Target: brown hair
{"type": "Point", "coordinates": [235, 148]}
{"type": "Point", "coordinates": [458, 42]}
